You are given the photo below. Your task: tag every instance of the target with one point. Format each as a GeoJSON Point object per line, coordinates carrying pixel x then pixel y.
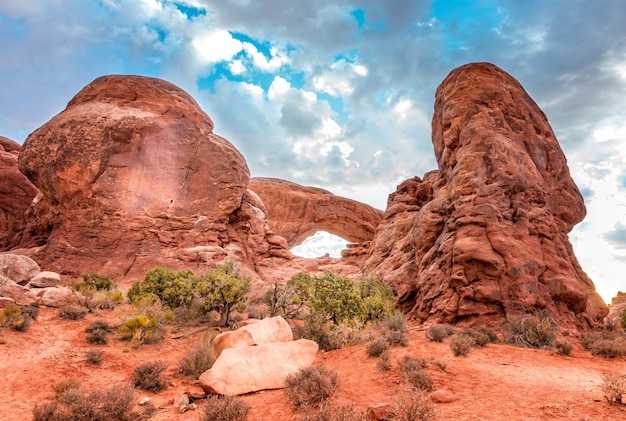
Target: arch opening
{"type": "Point", "coordinates": [320, 244]}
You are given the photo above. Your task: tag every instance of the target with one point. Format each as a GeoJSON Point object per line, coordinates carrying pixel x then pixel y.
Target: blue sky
{"type": "Point", "coordinates": [339, 94]}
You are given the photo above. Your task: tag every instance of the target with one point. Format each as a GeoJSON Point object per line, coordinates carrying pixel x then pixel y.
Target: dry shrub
{"type": "Point", "coordinates": [384, 362]}
{"type": "Point", "coordinates": [149, 376]}
{"type": "Point", "coordinates": [614, 387]}
{"type": "Point", "coordinates": [376, 347]}
{"type": "Point", "coordinates": [94, 356]}
{"type": "Point", "coordinates": [311, 385]}
{"type": "Point", "coordinates": [530, 331]}
{"type": "Point", "coordinates": [609, 348]}
{"type": "Point", "coordinates": [78, 404]}
{"type": "Point", "coordinates": [414, 372]}
{"type": "Point", "coordinates": [64, 385]}
{"type": "Point", "coordinates": [438, 332]}
{"type": "Point", "coordinates": [198, 359]}
{"type": "Point", "coordinates": [98, 332]}
{"type": "Point", "coordinates": [461, 344]}
{"type": "Point", "coordinates": [414, 406]}
{"type": "Point", "coordinates": [345, 412]}
{"type": "Point", "coordinates": [564, 347]}
{"type": "Point", "coordinates": [18, 318]}
{"type": "Point", "coordinates": [395, 330]}
{"type": "Point", "coordinates": [225, 408]}
{"type": "Point", "coordinates": [482, 335]}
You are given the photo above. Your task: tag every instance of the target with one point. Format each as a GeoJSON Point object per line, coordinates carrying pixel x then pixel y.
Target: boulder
{"type": "Point", "coordinates": [16, 195]}
{"type": "Point", "coordinates": [486, 234]}
{"type": "Point", "coordinates": [19, 294]}
{"type": "Point", "coordinates": [248, 369]}
{"type": "Point", "coordinates": [268, 330]}
{"type": "Point", "coordinates": [55, 296]}
{"type": "Point", "coordinates": [44, 279]}
{"type": "Point", "coordinates": [18, 268]}
{"type": "Point", "coordinates": [296, 212]}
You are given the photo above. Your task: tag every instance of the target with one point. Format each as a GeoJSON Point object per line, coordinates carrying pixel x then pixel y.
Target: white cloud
{"type": "Point", "coordinates": [274, 63]}
{"type": "Point", "coordinates": [278, 87]}
{"type": "Point", "coordinates": [338, 79]}
{"type": "Point", "coordinates": [319, 244]}
{"type": "Point", "coordinates": [217, 46]}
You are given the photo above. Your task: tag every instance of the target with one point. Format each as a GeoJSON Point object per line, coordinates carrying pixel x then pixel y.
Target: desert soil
{"type": "Point", "coordinates": [497, 382]}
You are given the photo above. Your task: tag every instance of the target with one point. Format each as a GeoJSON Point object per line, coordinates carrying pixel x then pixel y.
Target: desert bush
{"type": "Point", "coordinates": [172, 289]}
{"type": "Point", "coordinates": [107, 300]}
{"type": "Point", "coordinates": [438, 363]}
{"type": "Point", "coordinates": [224, 290]}
{"type": "Point", "coordinates": [461, 344]}
{"type": "Point", "coordinates": [564, 347]}
{"type": "Point", "coordinates": [414, 372]}
{"type": "Point", "coordinates": [149, 376]}
{"type": "Point", "coordinates": [329, 412]}
{"type": "Point", "coordinates": [438, 332]}
{"type": "Point", "coordinates": [98, 332]}
{"type": "Point", "coordinates": [317, 328]}
{"type": "Point", "coordinates": [530, 331]}
{"type": "Point", "coordinates": [78, 404]}
{"type": "Point", "coordinates": [198, 359]}
{"type": "Point", "coordinates": [96, 282]}
{"type": "Point", "coordinates": [376, 347]}
{"type": "Point", "coordinates": [285, 301]}
{"type": "Point", "coordinates": [414, 406]}
{"type": "Point", "coordinates": [337, 297]}
{"type": "Point", "coordinates": [377, 296]}
{"type": "Point", "coordinates": [18, 318]}
{"type": "Point", "coordinates": [394, 330]}
{"type": "Point", "coordinates": [384, 361]}
{"type": "Point", "coordinates": [609, 348]}
{"type": "Point", "coordinates": [225, 408]}
{"type": "Point", "coordinates": [482, 335]}
{"type": "Point", "coordinates": [94, 356]}
{"type": "Point", "coordinates": [64, 385]}
{"type": "Point", "coordinates": [141, 329]}
{"type": "Point", "coordinates": [72, 312]}
{"type": "Point", "coordinates": [311, 385]}
{"type": "Point", "coordinates": [614, 387]}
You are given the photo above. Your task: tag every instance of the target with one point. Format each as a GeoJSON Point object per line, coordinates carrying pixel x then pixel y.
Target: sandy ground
{"type": "Point", "coordinates": [497, 382]}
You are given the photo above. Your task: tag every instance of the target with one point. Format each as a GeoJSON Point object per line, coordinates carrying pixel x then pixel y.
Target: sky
{"type": "Point", "coordinates": [339, 94]}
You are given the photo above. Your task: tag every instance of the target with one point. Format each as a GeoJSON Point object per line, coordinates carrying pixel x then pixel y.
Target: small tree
{"type": "Point", "coordinates": [173, 289]}
{"type": "Point", "coordinates": [224, 289]}
{"type": "Point", "coordinates": [377, 296]}
{"type": "Point", "coordinates": [337, 296]}
{"type": "Point", "coordinates": [284, 301]}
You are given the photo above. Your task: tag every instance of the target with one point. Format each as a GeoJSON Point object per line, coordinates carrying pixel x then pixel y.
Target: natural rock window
{"type": "Point", "coordinates": [320, 244]}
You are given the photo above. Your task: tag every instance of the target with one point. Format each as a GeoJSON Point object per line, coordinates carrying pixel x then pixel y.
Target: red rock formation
{"type": "Point", "coordinates": [16, 195]}
{"type": "Point", "coordinates": [133, 176]}
{"type": "Point", "coordinates": [296, 212]}
{"type": "Point", "coordinates": [486, 234]}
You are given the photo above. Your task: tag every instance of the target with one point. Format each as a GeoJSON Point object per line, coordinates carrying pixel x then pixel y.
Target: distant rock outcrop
{"type": "Point", "coordinates": [486, 234]}
{"type": "Point", "coordinates": [618, 306]}
{"type": "Point", "coordinates": [296, 212]}
{"type": "Point", "coordinates": [16, 195]}
{"type": "Point", "coordinates": [131, 176]}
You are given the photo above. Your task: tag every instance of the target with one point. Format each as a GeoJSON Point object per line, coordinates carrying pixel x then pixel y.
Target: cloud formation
{"type": "Point", "coordinates": [339, 94]}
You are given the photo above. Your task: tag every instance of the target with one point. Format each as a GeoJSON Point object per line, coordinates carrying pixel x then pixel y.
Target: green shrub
{"type": "Point", "coordinates": [18, 318]}
{"type": "Point", "coordinates": [95, 281]}
{"type": "Point", "coordinates": [337, 297]}
{"type": "Point", "coordinates": [376, 347]}
{"type": "Point", "coordinates": [414, 372]}
{"type": "Point", "coordinates": [530, 331]}
{"type": "Point", "coordinates": [377, 296]}
{"type": "Point", "coordinates": [94, 356]}
{"type": "Point", "coordinates": [564, 347]}
{"type": "Point", "coordinates": [414, 406]}
{"type": "Point", "coordinates": [71, 312]}
{"type": "Point", "coordinates": [311, 385]}
{"type": "Point", "coordinates": [614, 387]}
{"type": "Point", "coordinates": [172, 289]}
{"type": "Point", "coordinates": [198, 359]}
{"type": "Point", "coordinates": [461, 344]}
{"type": "Point", "coordinates": [225, 408]}
{"type": "Point", "coordinates": [141, 329]}
{"type": "Point", "coordinates": [438, 332]}
{"type": "Point", "coordinates": [73, 404]}
{"type": "Point", "coordinates": [224, 290]}
{"type": "Point", "coordinates": [149, 376]}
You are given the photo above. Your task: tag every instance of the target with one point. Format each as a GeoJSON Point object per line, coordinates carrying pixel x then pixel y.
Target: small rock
{"type": "Point", "coordinates": [443, 396]}
{"type": "Point", "coordinates": [144, 400]}
{"type": "Point", "coordinates": [379, 412]}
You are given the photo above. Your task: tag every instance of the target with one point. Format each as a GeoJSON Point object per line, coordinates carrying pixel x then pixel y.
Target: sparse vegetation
{"type": "Point", "coordinates": [461, 344]}
{"type": "Point", "coordinates": [94, 356]}
{"type": "Point", "coordinates": [98, 332]}
{"type": "Point", "coordinates": [97, 291]}
{"type": "Point", "coordinates": [225, 408]}
{"type": "Point", "coordinates": [329, 412]}
{"type": "Point", "coordinates": [438, 332]}
{"type": "Point", "coordinates": [376, 347]}
{"type": "Point", "coordinates": [149, 376]}
{"type": "Point", "coordinates": [530, 331]}
{"type": "Point", "coordinates": [384, 361]}
{"type": "Point", "coordinates": [17, 317]}
{"type": "Point", "coordinates": [414, 406]}
{"type": "Point", "coordinates": [141, 329]}
{"type": "Point", "coordinates": [77, 403]}
{"type": "Point", "coordinates": [394, 330]}
{"type": "Point", "coordinates": [198, 359]}
{"type": "Point", "coordinates": [614, 387]}
{"type": "Point", "coordinates": [414, 372]}
{"type": "Point", "coordinates": [96, 282]}
{"type": "Point", "coordinates": [564, 347]}
{"type": "Point", "coordinates": [311, 385]}
{"type": "Point", "coordinates": [72, 312]}
{"type": "Point", "coordinates": [605, 343]}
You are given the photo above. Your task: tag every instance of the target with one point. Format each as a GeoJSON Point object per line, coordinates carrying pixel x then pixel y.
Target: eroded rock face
{"type": "Point", "coordinates": [132, 175]}
{"type": "Point", "coordinates": [296, 212]}
{"type": "Point", "coordinates": [16, 195]}
{"type": "Point", "coordinates": [486, 234]}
